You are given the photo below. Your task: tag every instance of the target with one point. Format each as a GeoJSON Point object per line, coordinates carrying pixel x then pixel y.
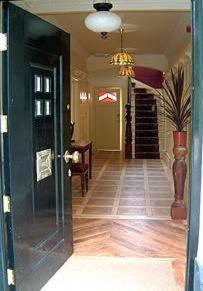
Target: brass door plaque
{"type": "Point", "coordinates": [44, 164]}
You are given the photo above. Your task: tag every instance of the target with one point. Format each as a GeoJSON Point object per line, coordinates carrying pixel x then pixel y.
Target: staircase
{"type": "Point", "coordinates": [146, 135]}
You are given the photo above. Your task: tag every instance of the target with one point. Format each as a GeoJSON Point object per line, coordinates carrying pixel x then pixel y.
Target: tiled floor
{"type": "Point", "coordinates": [130, 189]}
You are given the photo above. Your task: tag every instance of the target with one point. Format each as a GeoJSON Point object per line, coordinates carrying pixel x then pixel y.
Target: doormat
{"type": "Point", "coordinates": [104, 273]}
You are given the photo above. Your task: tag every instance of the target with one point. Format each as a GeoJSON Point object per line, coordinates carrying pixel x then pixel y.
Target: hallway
{"type": "Point", "coordinates": [122, 232]}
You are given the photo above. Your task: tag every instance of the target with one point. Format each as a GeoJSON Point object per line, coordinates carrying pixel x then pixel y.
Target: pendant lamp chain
{"type": "Point", "coordinates": [105, 1]}
{"type": "Point", "coordinates": [121, 30]}
{"type": "Point", "coordinates": [123, 58]}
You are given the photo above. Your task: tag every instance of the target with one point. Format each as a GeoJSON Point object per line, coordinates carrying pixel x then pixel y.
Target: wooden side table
{"type": "Point", "coordinates": [82, 146]}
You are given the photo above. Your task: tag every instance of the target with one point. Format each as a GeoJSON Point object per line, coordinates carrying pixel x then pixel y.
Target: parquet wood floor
{"type": "Point", "coordinates": [136, 238]}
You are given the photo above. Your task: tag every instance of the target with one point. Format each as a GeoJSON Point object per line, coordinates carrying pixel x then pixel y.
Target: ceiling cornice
{"type": "Point", "coordinates": [61, 6]}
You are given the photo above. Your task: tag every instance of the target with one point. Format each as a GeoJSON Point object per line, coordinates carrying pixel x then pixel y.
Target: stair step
{"type": "Point", "coordinates": [146, 125]}
{"type": "Point", "coordinates": [146, 107]}
{"type": "Point", "coordinates": [144, 110]}
{"type": "Point", "coordinates": [144, 141]}
{"type": "Point", "coordinates": [147, 155]}
{"type": "Point", "coordinates": [149, 126]}
{"type": "Point", "coordinates": [148, 113]}
{"type": "Point", "coordinates": [146, 145]}
{"type": "Point", "coordinates": [144, 95]}
{"type": "Point", "coordinates": [147, 148]}
{"type": "Point", "coordinates": [145, 102]}
{"type": "Point", "coordinates": [140, 90]}
{"type": "Point", "coordinates": [144, 133]}
{"type": "Point", "coordinates": [147, 139]}
{"type": "Point", "coordinates": [146, 119]}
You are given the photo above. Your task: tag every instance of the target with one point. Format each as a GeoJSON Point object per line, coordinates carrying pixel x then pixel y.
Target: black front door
{"type": "Point", "coordinates": [36, 94]}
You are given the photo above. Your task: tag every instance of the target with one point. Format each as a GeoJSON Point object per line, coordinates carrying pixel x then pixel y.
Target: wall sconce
{"type": "Point", "coordinates": [83, 96]}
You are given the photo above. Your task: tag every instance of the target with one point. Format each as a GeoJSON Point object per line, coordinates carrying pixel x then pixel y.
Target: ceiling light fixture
{"type": "Point", "coordinates": [126, 72]}
{"type": "Point", "coordinates": [103, 21]}
{"type": "Point", "coordinates": [123, 58]}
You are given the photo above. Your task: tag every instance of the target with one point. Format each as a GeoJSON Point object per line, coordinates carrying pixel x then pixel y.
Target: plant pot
{"type": "Point", "coordinates": [178, 208]}
{"type": "Point", "coordinates": [180, 138]}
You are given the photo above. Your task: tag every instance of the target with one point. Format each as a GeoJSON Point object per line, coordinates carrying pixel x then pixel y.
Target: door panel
{"type": "Point", "coordinates": [37, 86]}
{"type": "Point", "coordinates": [107, 118]}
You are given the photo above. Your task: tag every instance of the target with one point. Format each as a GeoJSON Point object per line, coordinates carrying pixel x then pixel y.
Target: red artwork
{"type": "Point", "coordinates": [107, 96]}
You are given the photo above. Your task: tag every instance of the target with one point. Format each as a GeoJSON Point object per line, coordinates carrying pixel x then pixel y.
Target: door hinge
{"type": "Point", "coordinates": [3, 42]}
{"type": "Point", "coordinates": [7, 204]}
{"type": "Point", "coordinates": [4, 124]}
{"type": "Point", "coordinates": [10, 275]}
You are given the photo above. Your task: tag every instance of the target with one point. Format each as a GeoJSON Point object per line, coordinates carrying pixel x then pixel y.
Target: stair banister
{"type": "Point", "coordinates": [128, 118]}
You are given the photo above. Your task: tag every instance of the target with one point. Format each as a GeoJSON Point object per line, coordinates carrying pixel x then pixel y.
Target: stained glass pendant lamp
{"type": "Point", "coordinates": [123, 58]}
{"type": "Point", "coordinates": [126, 72]}
{"type": "Point", "coordinates": [103, 20]}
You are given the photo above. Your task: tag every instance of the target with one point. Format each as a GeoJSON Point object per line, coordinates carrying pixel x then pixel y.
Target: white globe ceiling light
{"type": "Point", "coordinates": [103, 21]}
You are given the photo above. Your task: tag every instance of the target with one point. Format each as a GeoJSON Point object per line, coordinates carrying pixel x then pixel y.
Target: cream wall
{"type": "Point", "coordinates": [155, 61]}
{"type": "Point", "coordinates": [83, 113]}
{"type": "Point", "coordinates": [80, 110]}
{"type": "Point", "coordinates": [78, 55]}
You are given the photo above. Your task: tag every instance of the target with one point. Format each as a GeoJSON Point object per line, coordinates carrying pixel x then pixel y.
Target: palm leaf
{"type": "Point", "coordinates": [173, 100]}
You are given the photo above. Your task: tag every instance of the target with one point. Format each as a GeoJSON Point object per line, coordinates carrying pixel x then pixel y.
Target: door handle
{"type": "Point", "coordinates": [74, 157]}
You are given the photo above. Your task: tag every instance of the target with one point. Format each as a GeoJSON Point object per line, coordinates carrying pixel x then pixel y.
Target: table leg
{"type": "Point", "coordinates": [83, 157]}
{"type": "Point", "coordinates": [90, 161]}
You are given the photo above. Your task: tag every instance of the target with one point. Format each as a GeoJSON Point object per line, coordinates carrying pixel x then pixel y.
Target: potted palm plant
{"type": "Point", "coordinates": [176, 102]}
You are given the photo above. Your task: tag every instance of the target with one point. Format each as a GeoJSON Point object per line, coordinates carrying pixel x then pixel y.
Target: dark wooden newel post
{"type": "Point", "coordinates": [128, 131]}
{"type": "Point", "coordinates": [178, 208]}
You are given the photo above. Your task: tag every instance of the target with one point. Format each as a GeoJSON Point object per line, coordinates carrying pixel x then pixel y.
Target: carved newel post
{"type": "Point", "coordinates": [128, 133]}
{"type": "Point", "coordinates": [178, 208]}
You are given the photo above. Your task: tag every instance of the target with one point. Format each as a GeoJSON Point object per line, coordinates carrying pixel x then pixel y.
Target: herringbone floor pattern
{"type": "Point", "coordinates": [137, 238]}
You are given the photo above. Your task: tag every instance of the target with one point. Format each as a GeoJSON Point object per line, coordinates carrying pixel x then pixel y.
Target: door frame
{"type": "Point", "coordinates": [3, 247]}
{"type": "Point", "coordinates": [195, 165]}
{"type": "Point", "coordinates": [196, 154]}
{"type": "Point", "coordinates": [121, 131]}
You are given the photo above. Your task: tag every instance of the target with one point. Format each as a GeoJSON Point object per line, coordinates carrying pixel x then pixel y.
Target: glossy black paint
{"type": "Point", "coordinates": [3, 266]}
{"type": "Point", "coordinates": [196, 141]}
{"type": "Point", "coordinates": [40, 229]}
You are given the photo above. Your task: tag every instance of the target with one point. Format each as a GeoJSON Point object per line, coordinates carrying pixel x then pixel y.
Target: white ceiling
{"type": "Point", "coordinates": [154, 29]}
{"type": "Point", "coordinates": [146, 32]}
{"type": "Point", "coordinates": [53, 6]}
